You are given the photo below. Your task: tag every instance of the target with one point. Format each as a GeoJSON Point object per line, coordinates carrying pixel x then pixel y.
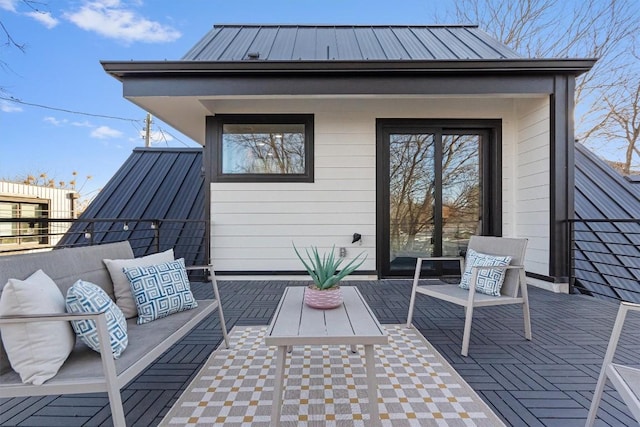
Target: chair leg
{"type": "Point", "coordinates": [608, 358]}
{"type": "Point", "coordinates": [467, 330]}
{"type": "Point", "coordinates": [412, 302]}
{"type": "Point", "coordinates": [525, 305]}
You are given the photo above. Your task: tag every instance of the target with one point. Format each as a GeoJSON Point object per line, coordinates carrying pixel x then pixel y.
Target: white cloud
{"type": "Point", "coordinates": [84, 124]}
{"type": "Point", "coordinates": [105, 132]}
{"type": "Point", "coordinates": [7, 107]}
{"type": "Point", "coordinates": [113, 19]}
{"type": "Point", "coordinates": [9, 5]}
{"type": "Point", "coordinates": [44, 18]}
{"type": "Point", "coordinates": [54, 121]}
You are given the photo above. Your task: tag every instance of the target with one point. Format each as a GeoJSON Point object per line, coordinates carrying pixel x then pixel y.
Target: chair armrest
{"type": "Point", "coordinates": [52, 317]}
{"type": "Point", "coordinates": [200, 267]}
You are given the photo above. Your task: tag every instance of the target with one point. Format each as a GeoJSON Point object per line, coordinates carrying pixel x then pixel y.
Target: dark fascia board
{"type": "Point", "coordinates": [168, 149]}
{"type": "Point", "coordinates": [126, 69]}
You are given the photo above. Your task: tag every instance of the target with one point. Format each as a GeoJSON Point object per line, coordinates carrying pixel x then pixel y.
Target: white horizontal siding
{"type": "Point", "coordinates": [254, 224]}
{"type": "Point", "coordinates": [58, 200]}
{"type": "Point", "coordinates": [532, 201]}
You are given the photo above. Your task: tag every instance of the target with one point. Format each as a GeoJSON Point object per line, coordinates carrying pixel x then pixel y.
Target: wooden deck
{"type": "Point", "coordinates": [545, 382]}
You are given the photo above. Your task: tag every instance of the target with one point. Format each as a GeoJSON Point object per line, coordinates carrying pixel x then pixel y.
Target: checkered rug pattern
{"type": "Point", "coordinates": [326, 386]}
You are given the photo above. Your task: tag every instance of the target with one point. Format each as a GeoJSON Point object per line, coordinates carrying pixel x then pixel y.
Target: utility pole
{"type": "Point", "coordinates": [147, 132]}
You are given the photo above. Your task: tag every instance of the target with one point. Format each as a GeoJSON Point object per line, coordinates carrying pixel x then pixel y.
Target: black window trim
{"type": "Point", "coordinates": [214, 139]}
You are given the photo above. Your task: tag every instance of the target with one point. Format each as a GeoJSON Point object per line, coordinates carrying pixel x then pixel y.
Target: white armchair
{"type": "Point", "coordinates": [513, 291]}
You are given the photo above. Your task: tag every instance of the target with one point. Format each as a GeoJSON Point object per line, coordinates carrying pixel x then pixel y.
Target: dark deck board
{"type": "Point", "coordinates": [545, 382]}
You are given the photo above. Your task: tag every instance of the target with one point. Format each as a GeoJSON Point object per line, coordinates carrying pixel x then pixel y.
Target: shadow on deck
{"type": "Point", "coordinates": [545, 382]}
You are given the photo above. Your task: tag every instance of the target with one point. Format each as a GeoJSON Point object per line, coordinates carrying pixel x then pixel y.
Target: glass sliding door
{"type": "Point", "coordinates": [411, 196]}
{"type": "Point", "coordinates": [434, 194]}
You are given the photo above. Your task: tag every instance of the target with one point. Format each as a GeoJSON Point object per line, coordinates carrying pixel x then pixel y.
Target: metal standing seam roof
{"type": "Point", "coordinates": [347, 43]}
{"type": "Point", "coordinates": [607, 255]}
{"type": "Point", "coordinates": [153, 183]}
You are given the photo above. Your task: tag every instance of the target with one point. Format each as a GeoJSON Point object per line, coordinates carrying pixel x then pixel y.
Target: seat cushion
{"type": "Point", "coordinates": [36, 350]}
{"type": "Point", "coordinates": [160, 290]}
{"type": "Point", "coordinates": [121, 286]}
{"type": "Point", "coordinates": [489, 281]}
{"type": "Point", "coordinates": [85, 297]}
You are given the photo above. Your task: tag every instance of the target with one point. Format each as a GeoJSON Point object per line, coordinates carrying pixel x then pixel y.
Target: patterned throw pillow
{"type": "Point", "coordinates": [160, 290]}
{"type": "Point", "coordinates": [85, 297]}
{"type": "Point", "coordinates": [489, 281]}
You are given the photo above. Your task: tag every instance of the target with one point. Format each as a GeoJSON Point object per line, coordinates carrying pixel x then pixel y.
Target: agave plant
{"type": "Point", "coordinates": [324, 270]}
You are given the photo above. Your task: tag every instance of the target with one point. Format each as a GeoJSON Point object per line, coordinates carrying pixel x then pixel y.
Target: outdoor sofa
{"type": "Point", "coordinates": [86, 370]}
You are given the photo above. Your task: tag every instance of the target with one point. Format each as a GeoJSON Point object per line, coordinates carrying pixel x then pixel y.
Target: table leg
{"type": "Point", "coordinates": [372, 385]}
{"type": "Point", "coordinates": [278, 385]}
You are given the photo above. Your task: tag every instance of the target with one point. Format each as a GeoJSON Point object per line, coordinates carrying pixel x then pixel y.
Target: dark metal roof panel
{"type": "Point", "coordinates": [347, 43]}
{"type": "Point", "coordinates": [370, 47]}
{"type": "Point", "coordinates": [391, 46]}
{"type": "Point", "coordinates": [153, 184]}
{"type": "Point", "coordinates": [283, 44]}
{"type": "Point", "coordinates": [608, 252]}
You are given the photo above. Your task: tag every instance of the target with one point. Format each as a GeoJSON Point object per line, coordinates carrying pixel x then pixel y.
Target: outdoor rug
{"type": "Point", "coordinates": [326, 386]}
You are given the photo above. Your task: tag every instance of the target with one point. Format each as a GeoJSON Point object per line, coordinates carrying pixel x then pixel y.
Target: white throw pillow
{"type": "Point", "coordinates": [36, 350]}
{"type": "Point", "coordinates": [121, 286]}
{"type": "Point", "coordinates": [85, 297]}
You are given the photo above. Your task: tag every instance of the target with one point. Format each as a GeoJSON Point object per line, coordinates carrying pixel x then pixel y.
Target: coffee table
{"type": "Point", "coordinates": [353, 323]}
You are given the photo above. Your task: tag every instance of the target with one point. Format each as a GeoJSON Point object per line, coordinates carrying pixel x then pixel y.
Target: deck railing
{"type": "Point", "coordinates": [188, 238]}
{"type": "Point", "coordinates": [606, 258]}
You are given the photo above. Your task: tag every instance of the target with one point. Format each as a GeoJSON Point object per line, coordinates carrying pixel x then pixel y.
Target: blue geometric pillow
{"type": "Point", "coordinates": [489, 281]}
{"type": "Point", "coordinates": [160, 290]}
{"type": "Point", "coordinates": [85, 297]}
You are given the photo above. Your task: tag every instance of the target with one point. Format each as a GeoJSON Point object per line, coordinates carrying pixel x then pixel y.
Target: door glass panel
{"type": "Point", "coordinates": [460, 192]}
{"type": "Point", "coordinates": [411, 201]}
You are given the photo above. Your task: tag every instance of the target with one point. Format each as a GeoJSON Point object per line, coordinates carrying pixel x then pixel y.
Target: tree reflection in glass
{"type": "Point", "coordinates": [263, 149]}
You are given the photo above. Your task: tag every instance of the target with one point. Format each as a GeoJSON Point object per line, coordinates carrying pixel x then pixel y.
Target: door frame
{"type": "Point", "coordinates": [491, 165]}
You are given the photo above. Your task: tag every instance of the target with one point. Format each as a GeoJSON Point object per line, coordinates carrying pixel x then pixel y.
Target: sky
{"type": "Point", "coordinates": [71, 116]}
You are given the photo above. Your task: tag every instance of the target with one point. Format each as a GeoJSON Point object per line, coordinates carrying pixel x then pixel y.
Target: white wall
{"type": "Point", "coordinates": [532, 192]}
{"type": "Point", "coordinates": [58, 199]}
{"type": "Point", "coordinates": [254, 224]}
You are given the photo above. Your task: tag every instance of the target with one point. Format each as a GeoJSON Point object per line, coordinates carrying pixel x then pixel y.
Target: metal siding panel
{"type": "Point", "coordinates": [427, 36]}
{"type": "Point", "coordinates": [305, 45]}
{"type": "Point", "coordinates": [390, 44]}
{"type": "Point", "coordinates": [347, 45]}
{"type": "Point", "coordinates": [238, 47]}
{"type": "Point", "coordinates": [369, 44]}
{"type": "Point", "coordinates": [283, 44]}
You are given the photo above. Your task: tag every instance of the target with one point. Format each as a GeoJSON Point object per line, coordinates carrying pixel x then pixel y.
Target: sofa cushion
{"type": "Point", "coordinates": [121, 286]}
{"type": "Point", "coordinates": [160, 290]}
{"type": "Point", "coordinates": [85, 297]}
{"type": "Point", "coordinates": [489, 280]}
{"type": "Point", "coordinates": [35, 350]}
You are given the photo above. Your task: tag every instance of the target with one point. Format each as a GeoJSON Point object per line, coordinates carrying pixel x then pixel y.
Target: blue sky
{"type": "Point", "coordinates": [60, 69]}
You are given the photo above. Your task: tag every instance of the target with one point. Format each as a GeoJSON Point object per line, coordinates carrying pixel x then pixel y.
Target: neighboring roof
{"type": "Point", "coordinates": [607, 256]}
{"type": "Point", "coordinates": [153, 183]}
{"type": "Point", "coordinates": [346, 43]}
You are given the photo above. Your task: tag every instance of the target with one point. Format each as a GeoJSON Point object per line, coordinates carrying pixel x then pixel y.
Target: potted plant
{"type": "Point", "coordinates": [325, 291]}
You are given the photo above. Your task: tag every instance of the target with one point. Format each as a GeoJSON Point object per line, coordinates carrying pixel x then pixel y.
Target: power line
{"type": "Point", "coordinates": [64, 110]}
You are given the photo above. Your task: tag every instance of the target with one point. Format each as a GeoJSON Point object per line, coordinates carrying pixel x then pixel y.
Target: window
{"type": "Point", "coordinates": [24, 232]}
{"type": "Point", "coordinates": [262, 148]}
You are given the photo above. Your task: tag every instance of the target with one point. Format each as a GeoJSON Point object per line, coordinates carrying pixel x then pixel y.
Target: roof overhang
{"type": "Point", "coordinates": [177, 91]}
{"type": "Point", "coordinates": [125, 69]}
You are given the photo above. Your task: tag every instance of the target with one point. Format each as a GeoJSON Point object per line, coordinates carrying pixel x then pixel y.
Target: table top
{"type": "Point", "coordinates": [352, 323]}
